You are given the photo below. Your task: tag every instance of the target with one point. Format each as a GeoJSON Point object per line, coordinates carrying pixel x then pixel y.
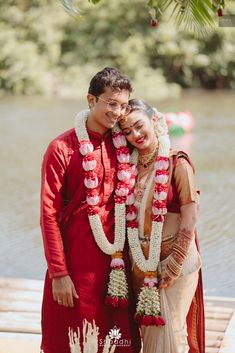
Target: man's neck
{"type": "Point", "coordinates": [93, 126]}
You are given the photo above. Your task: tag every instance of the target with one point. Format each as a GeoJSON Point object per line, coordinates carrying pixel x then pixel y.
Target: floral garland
{"type": "Point", "coordinates": [148, 311]}
{"type": "Point", "coordinates": [117, 286]}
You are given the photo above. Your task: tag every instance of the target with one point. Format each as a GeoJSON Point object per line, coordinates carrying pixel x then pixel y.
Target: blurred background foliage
{"type": "Point", "coordinates": [46, 51]}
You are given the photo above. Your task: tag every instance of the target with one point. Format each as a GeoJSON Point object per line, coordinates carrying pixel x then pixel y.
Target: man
{"type": "Point", "coordinates": [78, 269]}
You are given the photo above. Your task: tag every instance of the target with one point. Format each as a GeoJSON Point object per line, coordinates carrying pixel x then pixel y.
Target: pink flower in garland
{"type": "Point", "coordinates": [91, 180]}
{"type": "Point", "coordinates": [150, 282]}
{"type": "Point", "coordinates": [89, 162]}
{"type": "Point", "coordinates": [158, 218]}
{"type": "Point", "coordinates": [86, 147]}
{"type": "Point", "coordinates": [131, 213]}
{"type": "Point", "coordinates": [132, 224]}
{"type": "Point", "coordinates": [119, 140]}
{"type": "Point", "coordinates": [93, 210]}
{"type": "Point", "coordinates": [117, 263]}
{"type": "Point", "coordinates": [134, 169]}
{"type": "Point", "coordinates": [160, 192]}
{"type": "Point", "coordinates": [162, 163]}
{"type": "Point", "coordinates": [124, 172]}
{"type": "Point", "coordinates": [119, 199]}
{"type": "Point", "coordinates": [132, 181]}
{"type": "Point", "coordinates": [161, 176]}
{"type": "Point", "coordinates": [122, 189]}
{"type": "Point", "coordinates": [159, 208]}
{"type": "Point", "coordinates": [123, 155]}
{"type": "Point", "coordinates": [92, 197]}
{"type": "Point", "coordinates": [130, 198]}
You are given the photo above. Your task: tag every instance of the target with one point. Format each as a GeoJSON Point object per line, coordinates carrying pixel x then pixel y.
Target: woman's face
{"type": "Point", "coordinates": [139, 131]}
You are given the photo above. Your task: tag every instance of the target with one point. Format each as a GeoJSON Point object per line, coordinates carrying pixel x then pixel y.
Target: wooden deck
{"type": "Point", "coordinates": [20, 305]}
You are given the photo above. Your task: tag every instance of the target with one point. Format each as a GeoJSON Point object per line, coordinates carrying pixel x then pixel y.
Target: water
{"type": "Point", "coordinates": [28, 124]}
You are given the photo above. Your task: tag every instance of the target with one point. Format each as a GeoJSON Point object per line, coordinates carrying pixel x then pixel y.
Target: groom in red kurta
{"type": "Point", "coordinates": [78, 271]}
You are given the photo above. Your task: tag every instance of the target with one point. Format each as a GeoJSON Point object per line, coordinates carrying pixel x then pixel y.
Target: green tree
{"type": "Point", "coordinates": [46, 51]}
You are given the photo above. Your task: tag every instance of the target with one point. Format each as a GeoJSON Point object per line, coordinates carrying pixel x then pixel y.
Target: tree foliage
{"type": "Point", "coordinates": [44, 50]}
{"type": "Point", "coordinates": [196, 16]}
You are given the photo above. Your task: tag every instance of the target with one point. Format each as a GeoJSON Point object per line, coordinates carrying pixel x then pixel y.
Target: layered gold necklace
{"type": "Point", "coordinates": [147, 159]}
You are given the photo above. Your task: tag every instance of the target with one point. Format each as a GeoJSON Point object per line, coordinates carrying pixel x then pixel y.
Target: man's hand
{"type": "Point", "coordinates": [64, 291]}
{"type": "Point", "coordinates": [165, 281]}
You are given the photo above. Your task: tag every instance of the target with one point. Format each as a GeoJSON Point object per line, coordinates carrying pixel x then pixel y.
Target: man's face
{"type": "Point", "coordinates": [106, 109]}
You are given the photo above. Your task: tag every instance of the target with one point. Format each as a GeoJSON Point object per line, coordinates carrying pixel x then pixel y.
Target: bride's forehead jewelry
{"type": "Point", "coordinates": [123, 118]}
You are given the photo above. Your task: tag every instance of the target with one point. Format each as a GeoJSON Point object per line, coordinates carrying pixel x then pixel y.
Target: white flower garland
{"type": "Point", "coordinates": [94, 219]}
{"type": "Point", "coordinates": [148, 310]}
{"type": "Point", "coordinates": [151, 263]}
{"type": "Point", "coordinates": [117, 294]}
{"type": "Point", "coordinates": [99, 235]}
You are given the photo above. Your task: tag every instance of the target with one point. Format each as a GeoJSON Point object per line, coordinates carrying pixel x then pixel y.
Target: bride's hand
{"type": "Point", "coordinates": [165, 281]}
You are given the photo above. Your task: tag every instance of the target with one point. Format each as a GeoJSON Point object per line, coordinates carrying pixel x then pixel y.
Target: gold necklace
{"type": "Point", "coordinates": [147, 159]}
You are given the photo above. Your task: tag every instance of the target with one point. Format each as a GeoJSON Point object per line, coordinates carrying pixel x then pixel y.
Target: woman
{"type": "Point", "coordinates": [161, 219]}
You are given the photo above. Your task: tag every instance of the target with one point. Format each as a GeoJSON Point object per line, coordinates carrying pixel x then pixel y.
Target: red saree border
{"type": "Point", "coordinates": [196, 317]}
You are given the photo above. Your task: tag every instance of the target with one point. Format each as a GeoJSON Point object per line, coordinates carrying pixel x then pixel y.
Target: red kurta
{"type": "Point", "coordinates": [70, 247]}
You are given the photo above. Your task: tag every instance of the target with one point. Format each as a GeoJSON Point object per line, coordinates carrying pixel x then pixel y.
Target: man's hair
{"type": "Point", "coordinates": [109, 77]}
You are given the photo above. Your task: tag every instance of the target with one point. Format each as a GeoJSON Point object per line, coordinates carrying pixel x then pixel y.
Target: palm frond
{"type": "Point", "coordinates": [69, 7]}
{"type": "Point", "coordinates": [192, 15]}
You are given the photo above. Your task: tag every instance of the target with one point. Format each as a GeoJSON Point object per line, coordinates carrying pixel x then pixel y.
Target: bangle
{"type": "Point", "coordinates": [179, 253]}
{"type": "Point", "coordinates": [173, 268]}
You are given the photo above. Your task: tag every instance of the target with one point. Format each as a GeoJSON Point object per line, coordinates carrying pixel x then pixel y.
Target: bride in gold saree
{"type": "Point", "coordinates": [161, 216]}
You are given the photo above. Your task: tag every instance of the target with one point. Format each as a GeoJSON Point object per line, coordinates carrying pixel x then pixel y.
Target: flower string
{"type": "Point", "coordinates": [117, 287]}
{"type": "Point", "coordinates": [148, 311]}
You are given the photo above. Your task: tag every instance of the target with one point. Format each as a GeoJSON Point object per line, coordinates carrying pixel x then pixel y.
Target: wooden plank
{"type": "Point", "coordinates": [220, 301]}
{"type": "Point", "coordinates": [214, 335]}
{"type": "Point", "coordinates": [33, 337]}
{"type": "Point", "coordinates": [21, 284]}
{"type": "Point", "coordinates": [20, 322]}
{"type": "Point", "coordinates": [213, 343]}
{"type": "Point", "coordinates": [218, 309]}
{"type": "Point", "coordinates": [228, 344]}
{"type": "Point", "coordinates": [19, 305]}
{"type": "Point", "coordinates": [10, 346]}
{"type": "Point", "coordinates": [10, 295]}
{"type": "Point", "coordinates": [212, 350]}
{"type": "Point", "coordinates": [216, 325]}
{"type": "Point", "coordinates": [217, 316]}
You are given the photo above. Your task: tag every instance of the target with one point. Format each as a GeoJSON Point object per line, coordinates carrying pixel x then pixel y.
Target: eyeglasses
{"type": "Point", "coordinates": [114, 106]}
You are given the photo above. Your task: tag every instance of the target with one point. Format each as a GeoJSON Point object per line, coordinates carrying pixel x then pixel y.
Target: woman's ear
{"type": "Point", "coordinates": [154, 119]}
{"type": "Point", "coordinates": [91, 100]}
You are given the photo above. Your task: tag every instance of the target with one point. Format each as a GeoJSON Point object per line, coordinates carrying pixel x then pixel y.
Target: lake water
{"type": "Point", "coordinates": [28, 124]}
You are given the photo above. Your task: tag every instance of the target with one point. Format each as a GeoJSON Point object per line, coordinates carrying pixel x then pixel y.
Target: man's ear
{"type": "Point", "coordinates": [91, 100]}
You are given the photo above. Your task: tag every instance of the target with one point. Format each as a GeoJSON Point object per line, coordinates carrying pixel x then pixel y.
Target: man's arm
{"type": "Point", "coordinates": [53, 178]}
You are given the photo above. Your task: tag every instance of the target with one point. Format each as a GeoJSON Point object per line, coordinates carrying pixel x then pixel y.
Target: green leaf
{"type": "Point", "coordinates": [192, 15]}
{"type": "Point", "coordinates": [94, 1]}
